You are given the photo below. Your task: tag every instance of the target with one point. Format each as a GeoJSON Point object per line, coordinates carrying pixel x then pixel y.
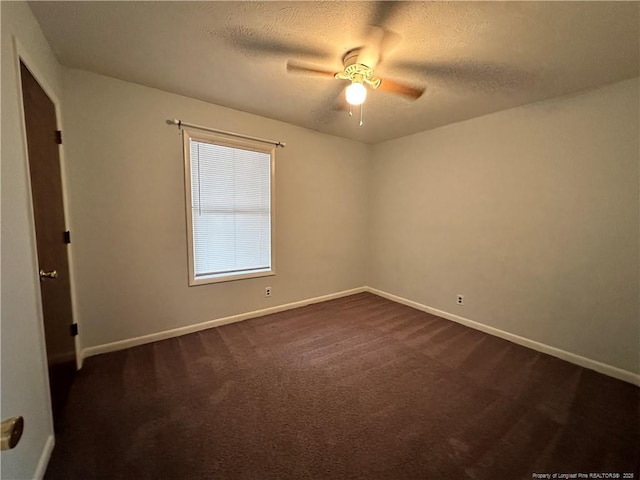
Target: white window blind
{"type": "Point", "coordinates": [231, 215]}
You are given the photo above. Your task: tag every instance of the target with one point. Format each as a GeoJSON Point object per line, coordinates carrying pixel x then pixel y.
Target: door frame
{"type": "Point", "coordinates": [21, 55]}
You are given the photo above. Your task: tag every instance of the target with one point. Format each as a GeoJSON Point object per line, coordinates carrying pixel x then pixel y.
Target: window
{"type": "Point", "coordinates": [229, 190]}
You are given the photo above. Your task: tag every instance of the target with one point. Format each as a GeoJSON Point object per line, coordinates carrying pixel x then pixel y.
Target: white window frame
{"type": "Point", "coordinates": [187, 136]}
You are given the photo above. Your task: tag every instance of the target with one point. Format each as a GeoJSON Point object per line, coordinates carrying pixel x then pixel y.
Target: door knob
{"type": "Point", "coordinates": [51, 274]}
{"type": "Point", "coordinates": [11, 432]}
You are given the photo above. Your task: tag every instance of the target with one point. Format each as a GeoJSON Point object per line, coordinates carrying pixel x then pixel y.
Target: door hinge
{"type": "Point", "coordinates": [74, 329]}
{"type": "Point", "coordinates": [59, 137]}
{"type": "Point", "coordinates": [67, 236]}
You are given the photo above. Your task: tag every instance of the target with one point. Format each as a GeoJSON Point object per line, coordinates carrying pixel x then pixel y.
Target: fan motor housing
{"type": "Point", "coordinates": [357, 72]}
{"type": "Point", "coordinates": [351, 57]}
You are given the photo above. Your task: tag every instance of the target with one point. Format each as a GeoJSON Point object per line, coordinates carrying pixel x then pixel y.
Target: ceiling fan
{"type": "Point", "coordinates": [358, 70]}
{"type": "Point", "coordinates": [359, 64]}
{"type": "Point", "coordinates": [361, 75]}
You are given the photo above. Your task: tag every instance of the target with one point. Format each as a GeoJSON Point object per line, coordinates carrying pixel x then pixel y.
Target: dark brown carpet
{"type": "Point", "coordinates": [354, 388]}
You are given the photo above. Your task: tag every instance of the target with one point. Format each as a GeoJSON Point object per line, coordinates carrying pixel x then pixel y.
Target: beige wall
{"type": "Point", "coordinates": [127, 211]}
{"type": "Point", "coordinates": [532, 214]}
{"type": "Point", "coordinates": [24, 388]}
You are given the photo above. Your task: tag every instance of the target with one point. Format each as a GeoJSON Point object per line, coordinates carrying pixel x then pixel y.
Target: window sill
{"type": "Point", "coordinates": [205, 280]}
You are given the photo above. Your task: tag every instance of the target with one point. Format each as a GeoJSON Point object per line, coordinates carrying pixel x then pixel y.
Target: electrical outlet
{"type": "Point", "coordinates": [460, 300]}
{"type": "Point", "coordinates": [267, 291]}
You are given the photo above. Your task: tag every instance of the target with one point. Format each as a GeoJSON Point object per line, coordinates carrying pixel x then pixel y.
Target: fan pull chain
{"type": "Point", "coordinates": [351, 113]}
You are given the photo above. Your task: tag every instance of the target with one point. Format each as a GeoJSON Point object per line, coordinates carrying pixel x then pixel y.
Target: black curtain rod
{"type": "Point", "coordinates": [181, 124]}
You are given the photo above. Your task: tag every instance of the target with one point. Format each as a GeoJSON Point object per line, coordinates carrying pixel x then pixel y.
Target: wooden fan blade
{"type": "Point", "coordinates": [334, 104]}
{"type": "Point", "coordinates": [253, 42]}
{"type": "Point", "coordinates": [297, 67]}
{"type": "Point", "coordinates": [380, 43]}
{"type": "Point", "coordinates": [469, 75]}
{"type": "Point", "coordinates": [340, 103]}
{"type": "Point", "coordinates": [384, 12]}
{"type": "Point", "coordinates": [401, 89]}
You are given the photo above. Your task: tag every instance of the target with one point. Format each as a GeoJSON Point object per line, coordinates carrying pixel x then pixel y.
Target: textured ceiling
{"type": "Point", "coordinates": [473, 58]}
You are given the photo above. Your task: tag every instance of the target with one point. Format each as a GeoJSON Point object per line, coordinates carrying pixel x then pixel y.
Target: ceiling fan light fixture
{"type": "Point", "coordinates": [356, 93]}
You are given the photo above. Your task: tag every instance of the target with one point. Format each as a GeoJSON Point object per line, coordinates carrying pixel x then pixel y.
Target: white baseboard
{"type": "Point", "coordinates": [176, 332]}
{"type": "Point", "coordinates": [610, 370]}
{"type": "Point", "coordinates": [585, 362]}
{"type": "Point", "coordinates": [41, 468]}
